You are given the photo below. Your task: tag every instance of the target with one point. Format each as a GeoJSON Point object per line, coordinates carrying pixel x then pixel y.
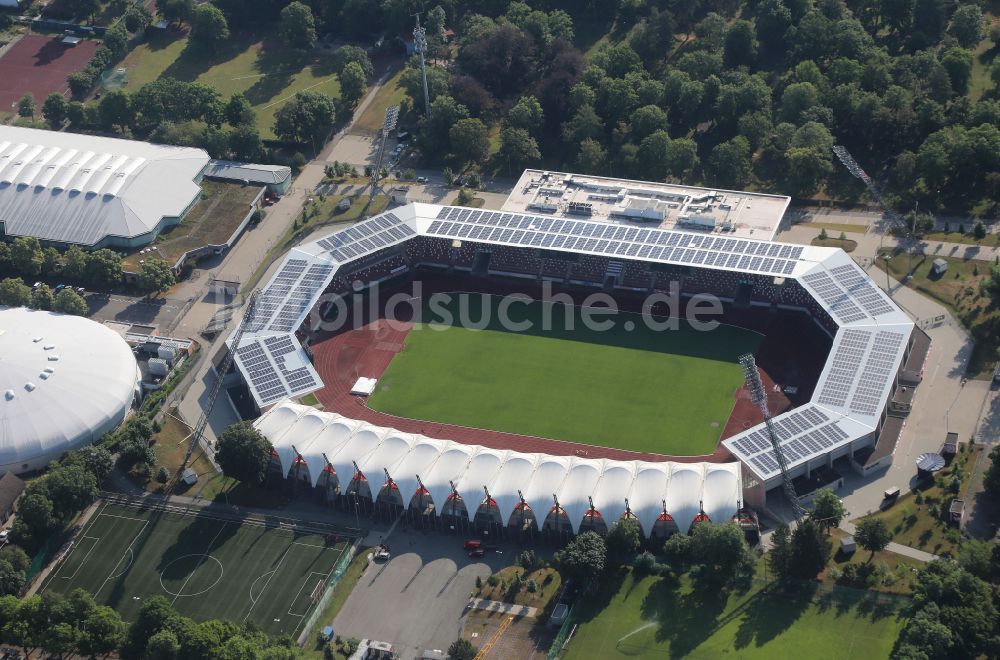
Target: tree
{"type": "Point", "coordinates": [828, 509]}
{"type": "Point", "coordinates": [75, 263]}
{"type": "Point", "coordinates": [722, 552]}
{"type": "Point", "coordinates": [779, 558]}
{"type": "Point", "coordinates": [154, 615]}
{"type": "Point", "coordinates": [967, 25]}
{"type": "Point", "coordinates": [344, 55]}
{"type": "Point", "coordinates": [245, 142]}
{"type": "Point", "coordinates": [11, 579]}
{"type": "Point", "coordinates": [462, 649]}
{"type": "Point", "coordinates": [979, 231]}
{"type": "Point", "coordinates": [35, 509]}
{"type": "Point", "coordinates": [298, 26]}
{"type": "Point", "coordinates": [51, 261]}
{"type": "Point", "coordinates": [42, 298]}
{"type": "Point", "coordinates": [810, 550]}
{"type": "Point", "coordinates": [14, 293]}
{"type": "Point", "coordinates": [55, 109]}
{"type": "Point", "coordinates": [469, 140]}
{"type": "Point", "coordinates": [647, 120]}
{"type": "Point", "coordinates": [872, 535]}
{"type": "Point", "coordinates": [26, 255]}
{"type": "Point", "coordinates": [729, 162]}
{"type": "Point", "coordinates": [741, 44]}
{"type": "Point", "coordinates": [353, 84]}
{"type": "Point", "coordinates": [163, 646]}
{"type": "Point", "coordinates": [135, 451]}
{"type": "Point", "coordinates": [518, 147]}
{"type": "Point", "coordinates": [60, 638]}
{"type": "Point", "coordinates": [623, 539]}
{"type": "Point", "coordinates": [176, 11]}
{"type": "Point", "coordinates": [95, 459]}
{"type": "Point", "coordinates": [156, 276]}
{"type": "Point", "coordinates": [243, 453]}
{"type": "Point", "coordinates": [958, 63]}
{"type": "Point", "coordinates": [16, 557]}
{"type": "Point", "coordinates": [102, 631]}
{"type": "Point", "coordinates": [238, 111]}
{"type": "Point", "coordinates": [307, 116]}
{"type": "Point", "coordinates": [104, 268]}
{"type": "Point", "coordinates": [584, 557]}
{"type": "Point", "coordinates": [991, 479]}
{"type": "Point", "coordinates": [591, 158]}
{"type": "Point", "coordinates": [26, 106]}
{"type": "Point", "coordinates": [681, 157]}
{"type": "Point", "coordinates": [653, 155]}
{"type": "Point", "coordinates": [71, 489]}
{"type": "Point", "coordinates": [69, 301]}
{"type": "Point", "coordinates": [209, 28]}
{"type": "Point", "coordinates": [526, 113]}
{"type": "Point", "coordinates": [115, 109]}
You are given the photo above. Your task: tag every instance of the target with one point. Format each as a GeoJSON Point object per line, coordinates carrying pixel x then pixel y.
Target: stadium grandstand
{"type": "Point", "coordinates": [875, 352]}
{"type": "Point", "coordinates": [422, 474]}
{"type": "Point", "coordinates": [96, 192]}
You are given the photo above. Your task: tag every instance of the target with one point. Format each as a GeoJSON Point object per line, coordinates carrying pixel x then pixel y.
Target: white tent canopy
{"type": "Point", "coordinates": [325, 439]}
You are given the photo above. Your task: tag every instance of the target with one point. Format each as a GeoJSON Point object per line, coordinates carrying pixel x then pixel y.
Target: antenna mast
{"type": "Point", "coordinates": [759, 397]}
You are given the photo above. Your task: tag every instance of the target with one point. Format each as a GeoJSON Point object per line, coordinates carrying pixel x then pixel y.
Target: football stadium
{"type": "Point", "coordinates": [463, 378]}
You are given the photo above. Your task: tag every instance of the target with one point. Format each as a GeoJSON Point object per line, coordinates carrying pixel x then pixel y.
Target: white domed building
{"type": "Point", "coordinates": [64, 382]}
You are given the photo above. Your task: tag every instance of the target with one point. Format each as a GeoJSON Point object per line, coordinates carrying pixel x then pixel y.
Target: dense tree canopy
{"type": "Point", "coordinates": [243, 453]}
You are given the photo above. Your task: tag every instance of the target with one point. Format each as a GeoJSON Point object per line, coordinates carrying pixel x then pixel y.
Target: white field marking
{"type": "Point", "coordinates": [128, 551]}
{"type": "Point", "coordinates": [254, 583]}
{"type": "Point", "coordinates": [96, 540]}
{"type": "Point", "coordinates": [321, 82]}
{"type": "Point", "coordinates": [200, 562]}
{"type": "Point", "coordinates": [72, 550]}
{"type": "Point", "coordinates": [306, 581]}
{"type": "Point", "coordinates": [266, 583]}
{"type": "Point", "coordinates": [112, 515]}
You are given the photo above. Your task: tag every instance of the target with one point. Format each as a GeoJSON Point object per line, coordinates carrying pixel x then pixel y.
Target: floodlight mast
{"type": "Point", "coordinates": [388, 124]}
{"type": "Point", "coordinates": [199, 429]}
{"type": "Point", "coordinates": [759, 396]}
{"type": "Point", "coordinates": [906, 231]}
{"type": "Point", "coordinates": [420, 45]}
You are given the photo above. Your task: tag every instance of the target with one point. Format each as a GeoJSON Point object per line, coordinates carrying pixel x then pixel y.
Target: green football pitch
{"type": "Point", "coordinates": [207, 567]}
{"type": "Point", "coordinates": [630, 386]}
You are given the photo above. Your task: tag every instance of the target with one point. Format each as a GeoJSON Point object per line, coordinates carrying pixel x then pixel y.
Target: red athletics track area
{"type": "Point", "coordinates": [40, 65]}
{"type": "Point", "coordinates": [342, 357]}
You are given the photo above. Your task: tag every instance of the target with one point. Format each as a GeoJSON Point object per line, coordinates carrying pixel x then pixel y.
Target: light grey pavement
{"type": "Point", "coordinates": [417, 600]}
{"type": "Point", "coordinates": [159, 312]}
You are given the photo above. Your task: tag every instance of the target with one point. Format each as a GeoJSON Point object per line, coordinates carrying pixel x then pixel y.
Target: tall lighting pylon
{"type": "Point", "coordinates": [420, 45]}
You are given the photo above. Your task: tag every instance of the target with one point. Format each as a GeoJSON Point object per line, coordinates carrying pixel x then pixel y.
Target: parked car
{"type": "Point", "coordinates": [421, 179]}
{"type": "Point", "coordinates": [37, 284]}
{"type": "Point", "coordinates": [478, 552]}
{"type": "Point", "coordinates": [473, 544]}
{"type": "Point", "coordinates": [81, 290]}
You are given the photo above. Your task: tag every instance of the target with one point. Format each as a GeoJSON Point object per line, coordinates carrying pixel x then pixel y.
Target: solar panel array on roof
{"type": "Point", "coordinates": [879, 368]}
{"type": "Point", "coordinates": [785, 426]}
{"type": "Point", "coordinates": [844, 361]}
{"type": "Point", "coordinates": [853, 279]}
{"type": "Point", "coordinates": [273, 297]}
{"type": "Point", "coordinates": [837, 301]}
{"type": "Point", "coordinates": [364, 238]}
{"type": "Point", "coordinates": [615, 240]}
{"type": "Point", "coordinates": [259, 369]}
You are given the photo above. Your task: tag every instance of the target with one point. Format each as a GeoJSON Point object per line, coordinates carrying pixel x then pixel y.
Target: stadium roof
{"type": "Point", "coordinates": [64, 381]}
{"type": "Point", "coordinates": [849, 397]}
{"type": "Point", "coordinates": [72, 188]}
{"type": "Point", "coordinates": [323, 439]}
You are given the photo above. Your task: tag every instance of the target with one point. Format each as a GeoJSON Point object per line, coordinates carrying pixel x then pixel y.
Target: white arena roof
{"type": "Point", "coordinates": [81, 189]}
{"type": "Point", "coordinates": [64, 382]}
{"type": "Point", "coordinates": [323, 439]}
{"type": "Point", "coordinates": [848, 400]}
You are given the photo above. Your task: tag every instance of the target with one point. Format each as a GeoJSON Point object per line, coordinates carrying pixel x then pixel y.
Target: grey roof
{"type": "Point", "coordinates": [252, 172]}
{"type": "Point", "coordinates": [72, 188]}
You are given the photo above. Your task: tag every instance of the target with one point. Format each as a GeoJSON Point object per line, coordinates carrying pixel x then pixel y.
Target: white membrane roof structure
{"type": "Point", "coordinates": [64, 381]}
{"type": "Point", "coordinates": [72, 188]}
{"type": "Point", "coordinates": [847, 403]}
{"type": "Point", "coordinates": [325, 441]}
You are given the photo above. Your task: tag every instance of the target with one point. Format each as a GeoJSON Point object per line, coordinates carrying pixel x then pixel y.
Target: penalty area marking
{"type": "Point", "coordinates": [308, 579]}
{"type": "Point", "coordinates": [95, 540]}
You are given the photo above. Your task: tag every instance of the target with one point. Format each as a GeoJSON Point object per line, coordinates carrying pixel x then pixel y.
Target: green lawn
{"type": "Point", "coordinates": [208, 568]}
{"type": "Point", "coordinates": [662, 391]}
{"type": "Point", "coordinates": [659, 617]}
{"type": "Point", "coordinates": [268, 73]}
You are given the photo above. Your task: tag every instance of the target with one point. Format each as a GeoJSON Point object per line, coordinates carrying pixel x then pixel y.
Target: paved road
{"type": "Point", "coordinates": [417, 600]}
{"type": "Point", "coordinates": [159, 312]}
{"type": "Point", "coordinates": [898, 548]}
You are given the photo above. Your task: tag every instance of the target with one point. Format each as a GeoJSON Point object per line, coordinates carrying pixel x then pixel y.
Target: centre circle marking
{"type": "Point", "coordinates": [190, 573]}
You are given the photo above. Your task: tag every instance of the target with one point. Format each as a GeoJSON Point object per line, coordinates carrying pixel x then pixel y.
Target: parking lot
{"type": "Point", "coordinates": [417, 599]}
{"type": "Point", "coordinates": [158, 312]}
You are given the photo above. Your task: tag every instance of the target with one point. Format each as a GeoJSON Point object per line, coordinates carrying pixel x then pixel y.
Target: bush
{"type": "Point", "coordinates": [645, 564]}
{"type": "Point", "coordinates": [532, 586]}
{"type": "Point", "coordinates": [298, 160]}
{"type": "Point", "coordinates": [493, 580]}
{"type": "Point", "coordinates": [479, 582]}
{"type": "Point", "coordinates": [163, 475]}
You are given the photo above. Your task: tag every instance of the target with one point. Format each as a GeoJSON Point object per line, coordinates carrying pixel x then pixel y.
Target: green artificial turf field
{"type": "Point", "coordinates": [656, 617]}
{"type": "Point", "coordinates": [207, 567]}
{"type": "Point", "coordinates": [660, 391]}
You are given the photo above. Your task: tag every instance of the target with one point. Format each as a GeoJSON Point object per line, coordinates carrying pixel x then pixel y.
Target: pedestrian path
{"type": "Point", "coordinates": [501, 608]}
